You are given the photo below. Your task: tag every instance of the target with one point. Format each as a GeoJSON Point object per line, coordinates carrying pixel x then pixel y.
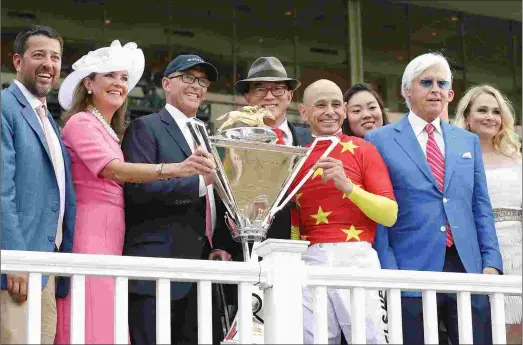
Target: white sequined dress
{"type": "Point", "coordinates": [505, 190]}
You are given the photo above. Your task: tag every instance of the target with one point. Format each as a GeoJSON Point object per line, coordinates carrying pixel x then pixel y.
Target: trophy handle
{"type": "Point", "coordinates": [334, 141]}
{"type": "Point", "coordinates": [202, 139]}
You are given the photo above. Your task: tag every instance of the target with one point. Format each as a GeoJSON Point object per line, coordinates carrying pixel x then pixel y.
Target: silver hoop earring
{"type": "Point", "coordinates": [89, 92]}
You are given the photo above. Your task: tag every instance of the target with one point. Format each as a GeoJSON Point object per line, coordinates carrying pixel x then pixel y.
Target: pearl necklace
{"type": "Point", "coordinates": [96, 113]}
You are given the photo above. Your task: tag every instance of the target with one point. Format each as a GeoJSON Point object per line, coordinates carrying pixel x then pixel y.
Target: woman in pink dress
{"type": "Point", "coordinates": [95, 97]}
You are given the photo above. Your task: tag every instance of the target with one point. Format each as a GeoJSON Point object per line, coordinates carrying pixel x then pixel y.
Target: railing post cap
{"type": "Point", "coordinates": [281, 246]}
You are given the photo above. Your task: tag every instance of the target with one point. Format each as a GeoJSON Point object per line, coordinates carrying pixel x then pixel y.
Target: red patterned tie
{"type": "Point", "coordinates": [437, 165]}
{"type": "Point", "coordinates": [279, 134]}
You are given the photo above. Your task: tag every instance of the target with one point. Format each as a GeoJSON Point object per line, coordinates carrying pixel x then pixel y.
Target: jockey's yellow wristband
{"type": "Point", "coordinates": [380, 209]}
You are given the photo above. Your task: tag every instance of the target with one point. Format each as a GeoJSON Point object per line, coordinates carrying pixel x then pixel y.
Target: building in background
{"type": "Point", "coordinates": [346, 41]}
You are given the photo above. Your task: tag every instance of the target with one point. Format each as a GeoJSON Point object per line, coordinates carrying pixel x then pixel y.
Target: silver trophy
{"type": "Point", "coordinates": [253, 175]}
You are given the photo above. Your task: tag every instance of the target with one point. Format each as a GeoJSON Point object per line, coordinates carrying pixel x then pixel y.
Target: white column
{"type": "Point", "coordinates": [321, 325]}
{"type": "Point", "coordinates": [357, 318]}
{"type": "Point", "coordinates": [163, 311]}
{"type": "Point", "coordinates": [245, 313]}
{"type": "Point", "coordinates": [204, 312]}
{"type": "Point", "coordinates": [33, 317]}
{"type": "Point", "coordinates": [121, 312]}
{"type": "Point", "coordinates": [284, 272]}
{"type": "Point", "coordinates": [394, 316]}
{"type": "Point", "coordinates": [497, 308]}
{"type": "Point", "coordinates": [77, 309]}
{"type": "Point", "coordinates": [464, 318]}
{"type": "Point", "coordinates": [430, 317]}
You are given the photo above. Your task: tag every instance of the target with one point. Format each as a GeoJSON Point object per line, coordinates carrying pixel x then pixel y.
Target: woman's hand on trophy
{"type": "Point", "coordinates": [332, 169]}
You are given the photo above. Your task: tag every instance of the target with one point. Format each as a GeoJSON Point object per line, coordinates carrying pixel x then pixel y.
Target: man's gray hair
{"type": "Point", "coordinates": [419, 65]}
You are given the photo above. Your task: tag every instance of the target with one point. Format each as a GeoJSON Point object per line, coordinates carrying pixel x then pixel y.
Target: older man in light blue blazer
{"type": "Point", "coordinates": [38, 200]}
{"type": "Point", "coordinates": [445, 220]}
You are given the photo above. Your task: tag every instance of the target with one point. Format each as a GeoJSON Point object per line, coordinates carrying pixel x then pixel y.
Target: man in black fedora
{"type": "Point", "coordinates": [268, 86]}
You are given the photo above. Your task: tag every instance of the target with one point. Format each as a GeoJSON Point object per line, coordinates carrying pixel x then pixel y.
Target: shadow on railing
{"type": "Point", "coordinates": [281, 275]}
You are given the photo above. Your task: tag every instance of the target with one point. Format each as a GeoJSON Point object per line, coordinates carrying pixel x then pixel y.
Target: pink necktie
{"type": "Point", "coordinates": [279, 134]}
{"type": "Point", "coordinates": [437, 165]}
{"type": "Point", "coordinates": [42, 114]}
{"type": "Point", "coordinates": [208, 218]}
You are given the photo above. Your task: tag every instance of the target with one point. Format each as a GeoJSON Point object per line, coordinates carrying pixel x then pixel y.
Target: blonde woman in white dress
{"type": "Point", "coordinates": [485, 111]}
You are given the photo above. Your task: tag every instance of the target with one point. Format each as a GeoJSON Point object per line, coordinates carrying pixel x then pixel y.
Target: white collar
{"type": "Point", "coordinates": [418, 124]}
{"type": "Point", "coordinates": [33, 101]}
{"type": "Point", "coordinates": [179, 117]}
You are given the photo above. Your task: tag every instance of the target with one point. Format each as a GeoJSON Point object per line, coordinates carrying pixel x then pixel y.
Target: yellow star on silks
{"type": "Point", "coordinates": [318, 172]}
{"type": "Point", "coordinates": [295, 232]}
{"type": "Point", "coordinates": [298, 196]}
{"type": "Point", "coordinates": [321, 217]}
{"type": "Point", "coordinates": [348, 146]}
{"type": "Point", "coordinates": [352, 233]}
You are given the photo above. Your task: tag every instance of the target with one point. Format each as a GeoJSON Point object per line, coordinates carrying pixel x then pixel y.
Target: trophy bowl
{"type": "Point", "coordinates": [253, 175]}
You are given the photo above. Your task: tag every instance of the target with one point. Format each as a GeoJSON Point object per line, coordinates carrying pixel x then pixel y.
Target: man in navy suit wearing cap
{"type": "Point", "coordinates": [175, 218]}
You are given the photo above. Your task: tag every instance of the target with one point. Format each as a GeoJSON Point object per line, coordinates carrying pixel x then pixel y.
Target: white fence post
{"type": "Point", "coordinates": [77, 292]}
{"type": "Point", "coordinates": [121, 312]}
{"type": "Point", "coordinates": [497, 307]}
{"type": "Point", "coordinates": [464, 318]}
{"type": "Point", "coordinates": [430, 317]}
{"type": "Point", "coordinates": [283, 293]}
{"type": "Point", "coordinates": [204, 312]}
{"type": "Point", "coordinates": [321, 325]}
{"type": "Point", "coordinates": [34, 309]}
{"type": "Point", "coordinates": [163, 311]}
{"type": "Point", "coordinates": [357, 319]}
{"type": "Point", "coordinates": [395, 325]}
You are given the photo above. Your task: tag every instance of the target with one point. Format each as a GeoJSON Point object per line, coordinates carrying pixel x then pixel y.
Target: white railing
{"type": "Point", "coordinates": [281, 275]}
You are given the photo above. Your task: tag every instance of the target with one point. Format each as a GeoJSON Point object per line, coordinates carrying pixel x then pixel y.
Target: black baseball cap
{"type": "Point", "coordinates": [185, 62]}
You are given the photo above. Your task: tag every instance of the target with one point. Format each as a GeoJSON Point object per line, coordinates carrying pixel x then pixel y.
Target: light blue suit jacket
{"type": "Point", "coordinates": [30, 194]}
{"type": "Point", "coordinates": [417, 239]}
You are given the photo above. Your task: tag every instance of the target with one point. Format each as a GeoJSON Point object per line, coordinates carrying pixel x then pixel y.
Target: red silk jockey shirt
{"type": "Point", "coordinates": [321, 212]}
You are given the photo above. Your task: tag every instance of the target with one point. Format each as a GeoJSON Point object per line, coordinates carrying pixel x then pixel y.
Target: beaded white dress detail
{"type": "Point", "coordinates": [505, 190]}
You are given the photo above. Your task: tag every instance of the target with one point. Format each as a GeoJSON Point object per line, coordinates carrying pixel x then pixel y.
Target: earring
{"type": "Point", "coordinates": [89, 92]}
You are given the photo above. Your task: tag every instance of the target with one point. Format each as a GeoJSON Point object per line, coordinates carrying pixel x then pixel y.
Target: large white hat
{"type": "Point", "coordinates": [108, 59]}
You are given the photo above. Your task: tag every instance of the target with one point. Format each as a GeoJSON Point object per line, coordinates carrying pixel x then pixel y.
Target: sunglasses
{"type": "Point", "coordinates": [429, 84]}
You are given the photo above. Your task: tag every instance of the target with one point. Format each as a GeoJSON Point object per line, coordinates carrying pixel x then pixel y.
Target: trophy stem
{"type": "Point", "coordinates": [249, 256]}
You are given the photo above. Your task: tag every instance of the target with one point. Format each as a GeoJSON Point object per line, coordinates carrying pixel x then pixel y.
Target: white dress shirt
{"type": "Point", "coordinates": [181, 121]}
{"type": "Point", "coordinates": [54, 145]}
{"type": "Point", "coordinates": [418, 125]}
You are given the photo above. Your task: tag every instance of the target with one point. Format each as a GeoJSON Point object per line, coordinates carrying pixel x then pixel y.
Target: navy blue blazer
{"type": "Point", "coordinates": [30, 194]}
{"type": "Point", "coordinates": [165, 218]}
{"type": "Point", "coordinates": [417, 239]}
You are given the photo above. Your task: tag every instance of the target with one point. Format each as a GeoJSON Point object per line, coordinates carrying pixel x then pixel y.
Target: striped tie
{"type": "Point", "coordinates": [437, 165]}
